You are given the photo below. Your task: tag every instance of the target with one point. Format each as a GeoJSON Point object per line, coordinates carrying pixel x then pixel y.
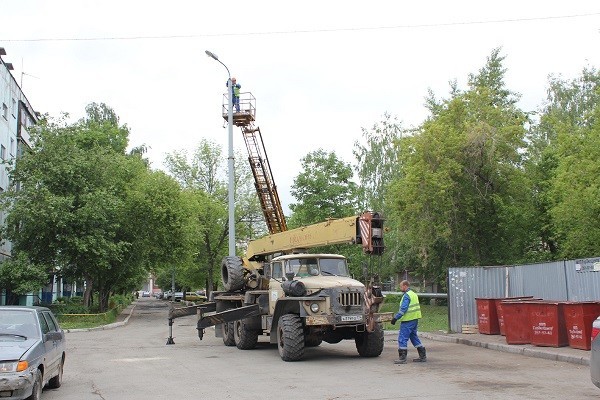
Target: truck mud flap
{"type": "Point", "coordinates": [230, 315]}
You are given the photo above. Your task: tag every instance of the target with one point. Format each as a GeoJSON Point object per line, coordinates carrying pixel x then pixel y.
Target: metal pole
{"type": "Point", "coordinates": [231, 170]}
{"type": "Point", "coordinates": [230, 159]}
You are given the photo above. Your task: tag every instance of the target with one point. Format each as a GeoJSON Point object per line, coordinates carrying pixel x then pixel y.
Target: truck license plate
{"type": "Point", "coordinates": [348, 318]}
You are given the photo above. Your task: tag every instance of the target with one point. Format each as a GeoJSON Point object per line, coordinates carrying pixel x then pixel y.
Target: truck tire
{"type": "Point", "coordinates": [290, 337]}
{"type": "Point", "coordinates": [370, 344]}
{"type": "Point", "coordinates": [232, 274]}
{"type": "Point", "coordinates": [245, 339]}
{"type": "Point", "coordinates": [228, 336]}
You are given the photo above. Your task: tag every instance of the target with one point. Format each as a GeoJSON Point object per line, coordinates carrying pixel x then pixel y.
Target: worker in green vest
{"type": "Point", "coordinates": [234, 92]}
{"type": "Point", "coordinates": [409, 315]}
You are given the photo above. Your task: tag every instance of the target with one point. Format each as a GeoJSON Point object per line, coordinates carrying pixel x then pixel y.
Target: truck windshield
{"type": "Point", "coordinates": [333, 266]}
{"type": "Point", "coordinates": [304, 266]}
{"type": "Point", "coordinates": [314, 266]}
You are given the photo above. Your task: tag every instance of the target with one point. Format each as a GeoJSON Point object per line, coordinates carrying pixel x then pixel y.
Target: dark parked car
{"type": "Point", "coordinates": [595, 355]}
{"type": "Point", "coordinates": [32, 352]}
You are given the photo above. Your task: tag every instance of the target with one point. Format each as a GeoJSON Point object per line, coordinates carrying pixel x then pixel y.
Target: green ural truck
{"type": "Point", "coordinates": [299, 300]}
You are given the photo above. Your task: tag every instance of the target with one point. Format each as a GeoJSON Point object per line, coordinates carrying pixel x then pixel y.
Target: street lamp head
{"type": "Point", "coordinates": [211, 55]}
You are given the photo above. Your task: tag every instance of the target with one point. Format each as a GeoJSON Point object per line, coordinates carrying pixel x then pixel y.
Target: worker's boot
{"type": "Point", "coordinates": [401, 356]}
{"type": "Point", "coordinates": [422, 355]}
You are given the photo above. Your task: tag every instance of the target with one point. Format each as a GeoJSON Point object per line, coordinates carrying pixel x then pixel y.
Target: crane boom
{"type": "Point", "coordinates": [365, 229]}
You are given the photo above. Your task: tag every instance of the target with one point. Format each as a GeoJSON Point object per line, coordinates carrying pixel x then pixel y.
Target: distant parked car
{"type": "Point", "coordinates": [194, 296]}
{"type": "Point", "coordinates": [32, 352]}
{"type": "Point", "coordinates": [178, 296]}
{"type": "Point", "coordinates": [595, 355]}
{"type": "Point", "coordinates": [145, 293]}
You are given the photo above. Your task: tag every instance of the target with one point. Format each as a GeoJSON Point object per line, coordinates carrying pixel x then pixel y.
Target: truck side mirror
{"type": "Point", "coordinates": [267, 270]}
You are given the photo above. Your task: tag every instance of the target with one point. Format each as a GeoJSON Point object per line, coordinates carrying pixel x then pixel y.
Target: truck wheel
{"type": "Point", "coordinates": [228, 336]}
{"type": "Point", "coordinates": [232, 273]}
{"type": "Point", "coordinates": [290, 337]}
{"type": "Point", "coordinates": [245, 339]}
{"type": "Point", "coordinates": [370, 344]}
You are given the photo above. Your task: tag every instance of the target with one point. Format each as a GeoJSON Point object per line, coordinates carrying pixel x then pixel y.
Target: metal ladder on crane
{"type": "Point", "coordinates": [259, 162]}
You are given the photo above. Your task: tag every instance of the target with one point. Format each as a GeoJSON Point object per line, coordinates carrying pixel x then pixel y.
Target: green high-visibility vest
{"type": "Point", "coordinates": [414, 308]}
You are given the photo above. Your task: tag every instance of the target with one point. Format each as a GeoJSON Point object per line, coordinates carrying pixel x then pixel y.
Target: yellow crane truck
{"type": "Point", "coordinates": [299, 299]}
{"type": "Point", "coordinates": [280, 290]}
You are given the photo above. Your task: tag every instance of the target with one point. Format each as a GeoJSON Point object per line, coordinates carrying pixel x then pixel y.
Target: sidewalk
{"type": "Point", "coordinates": [498, 343]}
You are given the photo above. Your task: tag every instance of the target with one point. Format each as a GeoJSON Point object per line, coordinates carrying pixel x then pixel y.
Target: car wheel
{"type": "Point", "coordinates": [56, 381]}
{"type": "Point", "coordinates": [37, 387]}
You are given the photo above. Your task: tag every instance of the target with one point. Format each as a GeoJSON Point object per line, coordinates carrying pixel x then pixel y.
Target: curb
{"type": "Point", "coordinates": [525, 350]}
{"type": "Point", "coordinates": [107, 326]}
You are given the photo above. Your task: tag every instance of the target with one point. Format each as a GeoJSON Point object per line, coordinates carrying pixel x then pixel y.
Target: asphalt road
{"type": "Point", "coordinates": [133, 362]}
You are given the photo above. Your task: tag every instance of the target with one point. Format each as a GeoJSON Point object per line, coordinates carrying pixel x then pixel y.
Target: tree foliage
{"type": "Point", "coordinates": [70, 210]}
{"type": "Point", "coordinates": [324, 189]}
{"type": "Point", "coordinates": [204, 181]}
{"type": "Point", "coordinates": [461, 197]}
{"type": "Point", "coordinates": [568, 148]}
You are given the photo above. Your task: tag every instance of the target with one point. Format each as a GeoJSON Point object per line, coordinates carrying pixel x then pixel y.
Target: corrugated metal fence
{"type": "Point", "coordinates": [573, 280]}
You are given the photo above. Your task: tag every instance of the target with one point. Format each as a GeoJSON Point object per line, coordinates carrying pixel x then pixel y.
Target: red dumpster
{"type": "Point", "coordinates": [516, 321]}
{"type": "Point", "coordinates": [487, 318]}
{"type": "Point", "coordinates": [579, 317]}
{"type": "Point", "coordinates": [500, 313]}
{"type": "Point", "coordinates": [547, 323]}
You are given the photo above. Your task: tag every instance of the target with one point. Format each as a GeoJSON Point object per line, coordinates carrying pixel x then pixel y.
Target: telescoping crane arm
{"type": "Point", "coordinates": [365, 229]}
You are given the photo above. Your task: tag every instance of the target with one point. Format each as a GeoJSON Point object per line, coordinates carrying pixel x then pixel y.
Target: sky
{"type": "Point", "coordinates": [321, 71]}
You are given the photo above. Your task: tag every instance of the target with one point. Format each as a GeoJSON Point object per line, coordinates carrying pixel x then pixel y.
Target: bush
{"type": "Point", "coordinates": [72, 314]}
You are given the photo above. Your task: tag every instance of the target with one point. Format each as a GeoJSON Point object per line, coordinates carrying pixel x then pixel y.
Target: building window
{"type": "Point", "coordinates": [13, 109]}
{"type": "Point", "coordinates": [12, 147]}
{"type": "Point", "coordinates": [2, 152]}
{"type": "Point", "coordinates": [5, 111]}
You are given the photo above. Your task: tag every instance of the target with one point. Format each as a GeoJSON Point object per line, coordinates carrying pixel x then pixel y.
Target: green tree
{"type": "Point", "coordinates": [71, 210]}
{"type": "Point", "coordinates": [564, 158]}
{"type": "Point", "coordinates": [377, 164]}
{"type": "Point", "coordinates": [19, 276]}
{"type": "Point", "coordinates": [377, 161]}
{"type": "Point", "coordinates": [462, 197]}
{"type": "Point", "coordinates": [324, 189]}
{"type": "Point", "coordinates": [203, 178]}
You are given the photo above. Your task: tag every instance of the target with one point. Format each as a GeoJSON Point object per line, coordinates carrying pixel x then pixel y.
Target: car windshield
{"type": "Point", "coordinates": [17, 323]}
{"type": "Point", "coordinates": [313, 266]}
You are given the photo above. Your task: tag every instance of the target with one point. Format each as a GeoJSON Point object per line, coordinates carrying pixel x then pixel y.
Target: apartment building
{"type": "Point", "coordinates": [16, 118]}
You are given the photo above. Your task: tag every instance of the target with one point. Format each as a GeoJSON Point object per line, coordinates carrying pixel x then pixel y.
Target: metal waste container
{"type": "Point", "coordinates": [547, 322]}
{"type": "Point", "coordinates": [487, 318]}
{"type": "Point", "coordinates": [579, 317]}
{"type": "Point", "coordinates": [516, 321]}
{"type": "Point", "coordinates": [500, 313]}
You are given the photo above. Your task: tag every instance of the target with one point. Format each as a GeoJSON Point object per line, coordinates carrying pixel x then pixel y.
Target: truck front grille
{"type": "Point", "coordinates": [350, 299]}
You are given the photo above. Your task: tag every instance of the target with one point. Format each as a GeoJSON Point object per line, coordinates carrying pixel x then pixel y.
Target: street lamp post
{"type": "Point", "coordinates": [230, 157]}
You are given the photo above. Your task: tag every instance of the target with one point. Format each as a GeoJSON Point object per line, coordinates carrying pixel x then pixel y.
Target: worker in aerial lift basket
{"type": "Point", "coordinates": [409, 315]}
{"type": "Point", "coordinates": [234, 92]}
